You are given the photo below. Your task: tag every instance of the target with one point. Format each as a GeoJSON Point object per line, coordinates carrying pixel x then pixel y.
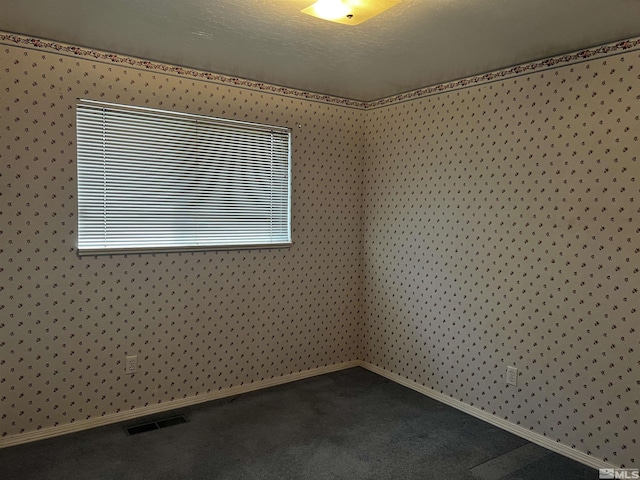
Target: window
{"type": "Point", "coordinates": [153, 180]}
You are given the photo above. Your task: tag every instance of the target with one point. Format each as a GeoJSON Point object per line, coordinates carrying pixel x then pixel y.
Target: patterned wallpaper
{"type": "Point", "coordinates": [199, 322]}
{"type": "Point", "coordinates": [440, 235]}
{"type": "Point", "coordinates": [502, 228]}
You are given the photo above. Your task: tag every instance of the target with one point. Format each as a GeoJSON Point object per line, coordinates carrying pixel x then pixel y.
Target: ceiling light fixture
{"type": "Point", "coordinates": [348, 12]}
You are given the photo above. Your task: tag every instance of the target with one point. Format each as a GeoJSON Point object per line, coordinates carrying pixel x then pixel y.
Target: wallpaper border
{"type": "Point", "coordinates": [139, 63]}
{"type": "Point", "coordinates": [579, 56]}
{"type": "Point", "coordinates": [549, 63]}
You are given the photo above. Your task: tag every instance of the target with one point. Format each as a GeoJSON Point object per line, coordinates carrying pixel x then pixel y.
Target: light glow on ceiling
{"type": "Point", "coordinates": [348, 12]}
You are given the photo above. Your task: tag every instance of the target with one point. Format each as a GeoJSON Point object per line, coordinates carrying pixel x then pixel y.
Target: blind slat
{"type": "Point", "coordinates": [157, 179]}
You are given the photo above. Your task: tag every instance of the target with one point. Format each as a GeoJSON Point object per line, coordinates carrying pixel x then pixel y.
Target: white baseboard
{"type": "Point", "coordinates": [250, 387]}
{"type": "Point", "coordinates": [492, 419]}
{"type": "Point", "coordinates": [166, 406]}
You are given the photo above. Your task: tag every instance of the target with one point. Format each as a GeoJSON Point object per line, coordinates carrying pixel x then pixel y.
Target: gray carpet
{"type": "Point", "coordinates": [351, 425]}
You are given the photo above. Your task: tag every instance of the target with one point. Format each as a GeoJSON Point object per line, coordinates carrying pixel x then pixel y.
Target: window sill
{"type": "Point", "coordinates": [145, 250]}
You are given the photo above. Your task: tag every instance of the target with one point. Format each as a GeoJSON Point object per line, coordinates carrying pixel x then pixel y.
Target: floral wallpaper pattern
{"type": "Point", "coordinates": [199, 322]}
{"type": "Point", "coordinates": [502, 227]}
{"type": "Point", "coordinates": [441, 235]}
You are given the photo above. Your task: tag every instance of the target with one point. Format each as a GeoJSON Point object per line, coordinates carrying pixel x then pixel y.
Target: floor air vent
{"type": "Point", "coordinates": [155, 425]}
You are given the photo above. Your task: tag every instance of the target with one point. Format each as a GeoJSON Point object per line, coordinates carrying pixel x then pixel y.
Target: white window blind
{"type": "Point", "coordinates": [165, 181]}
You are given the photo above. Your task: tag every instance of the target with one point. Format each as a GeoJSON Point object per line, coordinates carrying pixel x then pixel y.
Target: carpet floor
{"type": "Point", "coordinates": [351, 424]}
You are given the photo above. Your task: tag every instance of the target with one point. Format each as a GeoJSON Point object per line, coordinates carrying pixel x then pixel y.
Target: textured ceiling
{"type": "Point", "coordinates": [415, 44]}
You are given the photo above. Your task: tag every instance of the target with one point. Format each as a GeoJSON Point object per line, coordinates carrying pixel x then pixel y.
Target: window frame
{"type": "Point", "coordinates": [283, 217]}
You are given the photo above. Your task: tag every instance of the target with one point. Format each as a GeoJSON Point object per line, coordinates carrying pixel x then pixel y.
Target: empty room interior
{"type": "Point", "coordinates": [463, 261]}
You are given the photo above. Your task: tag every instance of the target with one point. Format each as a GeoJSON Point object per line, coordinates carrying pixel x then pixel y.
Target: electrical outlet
{"type": "Point", "coordinates": [131, 364]}
{"type": "Point", "coordinates": [512, 376]}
